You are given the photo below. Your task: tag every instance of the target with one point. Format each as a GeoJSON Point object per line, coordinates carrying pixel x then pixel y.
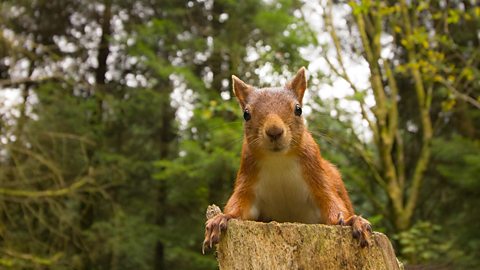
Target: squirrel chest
{"type": "Point", "coordinates": [281, 193]}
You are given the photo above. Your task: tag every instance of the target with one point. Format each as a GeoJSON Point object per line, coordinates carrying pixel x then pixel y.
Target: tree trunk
{"type": "Point", "coordinates": [255, 245]}
{"type": "Point", "coordinates": [166, 137]}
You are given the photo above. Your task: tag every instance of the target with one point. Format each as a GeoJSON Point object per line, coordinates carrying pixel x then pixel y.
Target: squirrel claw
{"type": "Point", "coordinates": [341, 220]}
{"type": "Point", "coordinates": [213, 230]}
{"type": "Point", "coordinates": [362, 230]}
{"type": "Point", "coordinates": [369, 228]}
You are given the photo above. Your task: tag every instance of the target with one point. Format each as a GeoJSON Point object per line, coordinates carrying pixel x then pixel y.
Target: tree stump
{"type": "Point", "coordinates": [256, 245]}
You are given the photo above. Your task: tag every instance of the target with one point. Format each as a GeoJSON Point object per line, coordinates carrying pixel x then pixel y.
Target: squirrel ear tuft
{"type": "Point", "coordinates": [241, 90]}
{"type": "Point", "coordinates": [298, 84]}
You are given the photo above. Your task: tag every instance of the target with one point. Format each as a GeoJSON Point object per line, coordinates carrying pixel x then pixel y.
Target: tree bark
{"type": "Point", "coordinates": [255, 245]}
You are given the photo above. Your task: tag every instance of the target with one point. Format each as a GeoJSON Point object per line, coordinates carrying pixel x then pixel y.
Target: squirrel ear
{"type": "Point", "coordinates": [241, 90]}
{"type": "Point", "coordinates": [298, 84]}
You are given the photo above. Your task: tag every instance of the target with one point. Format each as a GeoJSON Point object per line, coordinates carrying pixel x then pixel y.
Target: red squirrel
{"type": "Point", "coordinates": [282, 175]}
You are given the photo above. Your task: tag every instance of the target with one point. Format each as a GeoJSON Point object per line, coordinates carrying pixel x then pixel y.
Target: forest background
{"type": "Point", "coordinates": [118, 126]}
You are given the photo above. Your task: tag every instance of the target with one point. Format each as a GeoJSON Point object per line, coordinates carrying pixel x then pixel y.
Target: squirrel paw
{"type": "Point", "coordinates": [362, 230]}
{"type": "Point", "coordinates": [213, 229]}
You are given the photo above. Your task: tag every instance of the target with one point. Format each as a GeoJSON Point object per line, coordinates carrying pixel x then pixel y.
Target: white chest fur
{"type": "Point", "coordinates": [281, 194]}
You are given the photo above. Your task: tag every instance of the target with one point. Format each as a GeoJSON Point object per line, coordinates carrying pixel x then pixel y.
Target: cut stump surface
{"type": "Point", "coordinates": [256, 245]}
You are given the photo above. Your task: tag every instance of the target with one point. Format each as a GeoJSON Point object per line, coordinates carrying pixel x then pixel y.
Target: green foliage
{"type": "Point", "coordinates": [459, 161]}
{"type": "Point", "coordinates": [457, 197]}
{"type": "Point", "coordinates": [205, 170]}
{"type": "Point", "coordinates": [209, 145]}
{"type": "Point", "coordinates": [432, 48]}
{"type": "Point", "coordinates": [127, 236]}
{"type": "Point", "coordinates": [135, 172]}
{"type": "Point", "coordinates": [421, 243]}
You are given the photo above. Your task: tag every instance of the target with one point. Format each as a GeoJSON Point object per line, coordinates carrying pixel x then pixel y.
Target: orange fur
{"type": "Point", "coordinates": [318, 194]}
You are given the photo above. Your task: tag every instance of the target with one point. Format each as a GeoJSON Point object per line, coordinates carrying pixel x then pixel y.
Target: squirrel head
{"type": "Point", "coordinates": [273, 116]}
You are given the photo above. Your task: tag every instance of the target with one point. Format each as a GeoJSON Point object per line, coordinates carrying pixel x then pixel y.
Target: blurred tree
{"type": "Point", "coordinates": [78, 156]}
{"type": "Point", "coordinates": [415, 79]}
{"type": "Point", "coordinates": [125, 126]}
{"type": "Point", "coordinates": [214, 43]}
{"type": "Point", "coordinates": [97, 81]}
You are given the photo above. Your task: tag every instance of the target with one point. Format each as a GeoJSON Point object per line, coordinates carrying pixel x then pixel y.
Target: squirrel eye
{"type": "Point", "coordinates": [246, 115]}
{"type": "Point", "coordinates": [298, 110]}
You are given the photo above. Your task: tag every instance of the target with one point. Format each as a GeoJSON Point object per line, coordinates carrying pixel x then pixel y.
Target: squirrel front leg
{"type": "Point", "coordinates": [333, 200]}
{"type": "Point", "coordinates": [236, 207]}
{"type": "Point", "coordinates": [335, 214]}
{"type": "Point", "coordinates": [336, 211]}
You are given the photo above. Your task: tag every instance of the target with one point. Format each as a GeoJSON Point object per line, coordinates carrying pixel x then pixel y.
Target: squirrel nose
{"type": "Point", "coordinates": [274, 132]}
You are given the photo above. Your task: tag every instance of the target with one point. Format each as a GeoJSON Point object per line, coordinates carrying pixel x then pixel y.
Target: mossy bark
{"type": "Point", "coordinates": [255, 245]}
